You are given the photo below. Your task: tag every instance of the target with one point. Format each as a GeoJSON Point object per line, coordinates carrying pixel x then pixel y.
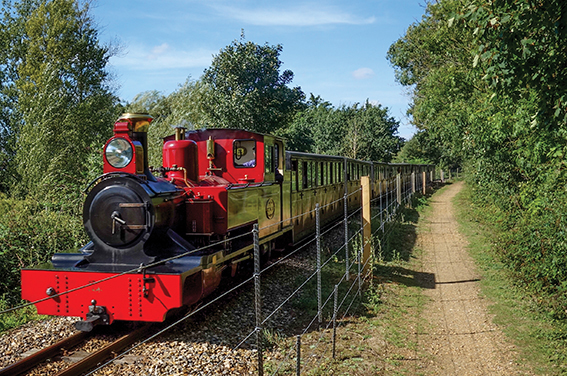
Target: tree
{"type": "Point", "coordinates": [64, 99]}
{"type": "Point", "coordinates": [182, 108]}
{"type": "Point", "coordinates": [12, 51]}
{"type": "Point", "coordinates": [370, 133]}
{"type": "Point", "coordinates": [246, 89]}
{"type": "Point", "coordinates": [488, 83]}
{"type": "Point", "coordinates": [420, 149]}
{"type": "Point", "coordinates": [361, 132]}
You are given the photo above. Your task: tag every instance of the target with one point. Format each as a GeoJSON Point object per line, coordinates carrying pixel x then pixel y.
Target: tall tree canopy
{"type": "Point", "coordinates": [246, 89]}
{"type": "Point", "coordinates": [62, 96]}
{"type": "Point", "coordinates": [488, 81]}
{"type": "Point", "coordinates": [358, 131]}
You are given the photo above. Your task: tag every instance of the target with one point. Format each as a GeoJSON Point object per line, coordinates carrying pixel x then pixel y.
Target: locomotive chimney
{"type": "Point", "coordinates": [180, 133]}
{"type": "Point", "coordinates": [139, 125]}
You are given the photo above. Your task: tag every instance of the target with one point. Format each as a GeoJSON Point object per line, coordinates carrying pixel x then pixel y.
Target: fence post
{"type": "Point", "coordinates": [381, 208]}
{"type": "Point", "coordinates": [336, 300]}
{"type": "Point", "coordinates": [366, 223]}
{"type": "Point", "coordinates": [298, 358]}
{"type": "Point", "coordinates": [258, 299]}
{"type": "Point", "coordinates": [387, 200]}
{"type": "Point", "coordinates": [442, 176]}
{"type": "Point", "coordinates": [399, 188]}
{"type": "Point", "coordinates": [424, 183]}
{"type": "Point", "coordinates": [347, 274]}
{"type": "Point", "coordinates": [318, 240]}
{"type": "Point", "coordinates": [412, 182]}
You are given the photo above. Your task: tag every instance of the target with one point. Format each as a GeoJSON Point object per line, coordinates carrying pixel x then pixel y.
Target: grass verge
{"type": "Point", "coordinates": [378, 336]}
{"type": "Point", "coordinates": [17, 318]}
{"type": "Point", "coordinates": [541, 341]}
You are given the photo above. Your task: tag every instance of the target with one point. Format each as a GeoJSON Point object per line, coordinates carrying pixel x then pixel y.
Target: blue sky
{"type": "Point", "coordinates": [336, 49]}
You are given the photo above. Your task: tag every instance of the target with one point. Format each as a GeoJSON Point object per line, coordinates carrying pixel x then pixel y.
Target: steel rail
{"type": "Point", "coordinates": [39, 357]}
{"type": "Point", "coordinates": [96, 358]}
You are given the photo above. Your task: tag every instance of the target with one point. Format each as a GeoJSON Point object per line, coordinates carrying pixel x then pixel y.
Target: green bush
{"type": "Point", "coordinates": [531, 237]}
{"type": "Point", "coordinates": [30, 232]}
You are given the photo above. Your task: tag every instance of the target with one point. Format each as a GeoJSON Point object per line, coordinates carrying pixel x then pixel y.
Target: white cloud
{"type": "Point", "coordinates": [363, 73]}
{"type": "Point", "coordinates": [162, 57]}
{"type": "Point", "coordinates": [158, 51]}
{"type": "Point", "coordinates": [302, 15]}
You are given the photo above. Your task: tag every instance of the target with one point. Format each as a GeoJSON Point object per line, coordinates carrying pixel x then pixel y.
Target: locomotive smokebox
{"type": "Point", "coordinates": [132, 221]}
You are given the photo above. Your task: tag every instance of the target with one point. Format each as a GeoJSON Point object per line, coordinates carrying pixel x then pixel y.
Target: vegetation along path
{"type": "Point", "coordinates": [460, 336]}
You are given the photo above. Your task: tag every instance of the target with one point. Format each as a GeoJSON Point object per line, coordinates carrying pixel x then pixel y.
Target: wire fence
{"type": "Point", "coordinates": [336, 278]}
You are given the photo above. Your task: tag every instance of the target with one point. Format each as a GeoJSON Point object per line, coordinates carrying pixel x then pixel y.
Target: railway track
{"type": "Point", "coordinates": [83, 365]}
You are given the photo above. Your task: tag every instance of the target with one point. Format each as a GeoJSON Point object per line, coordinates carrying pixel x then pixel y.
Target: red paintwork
{"type": "Point", "coordinates": [121, 296]}
{"type": "Point", "coordinates": [131, 167]}
{"type": "Point", "coordinates": [224, 159]}
{"type": "Point", "coordinates": [205, 213]}
{"type": "Point", "coordinates": [182, 153]}
{"type": "Point", "coordinates": [207, 188]}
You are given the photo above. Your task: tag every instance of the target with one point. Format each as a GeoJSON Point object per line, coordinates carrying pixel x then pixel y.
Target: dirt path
{"type": "Point", "coordinates": [460, 337]}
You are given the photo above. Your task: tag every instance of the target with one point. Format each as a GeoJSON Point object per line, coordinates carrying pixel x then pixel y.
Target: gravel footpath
{"type": "Point", "coordinates": [463, 339]}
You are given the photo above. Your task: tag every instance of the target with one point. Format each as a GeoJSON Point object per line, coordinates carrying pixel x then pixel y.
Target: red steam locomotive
{"type": "Point", "coordinates": [214, 185]}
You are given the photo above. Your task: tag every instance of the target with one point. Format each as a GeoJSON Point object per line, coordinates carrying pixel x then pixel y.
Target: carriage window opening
{"type": "Point", "coordinates": [244, 152]}
{"type": "Point", "coordinates": [278, 157]}
{"type": "Point", "coordinates": [305, 175]}
{"type": "Point", "coordinates": [294, 175]}
{"type": "Point", "coordinates": [269, 158]}
{"type": "Point", "coordinates": [313, 174]}
{"type": "Point", "coordinates": [314, 170]}
{"type": "Point", "coordinates": [308, 174]}
{"type": "Point", "coordinates": [336, 172]}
